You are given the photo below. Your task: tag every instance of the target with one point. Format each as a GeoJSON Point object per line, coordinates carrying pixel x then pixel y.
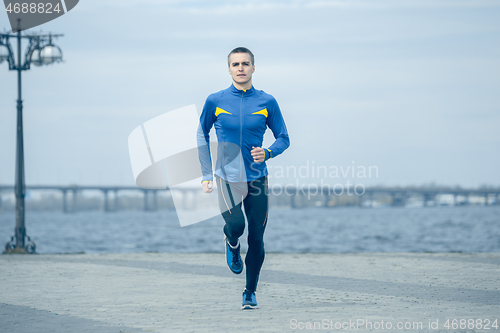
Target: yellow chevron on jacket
{"type": "Point", "coordinates": [219, 111]}
{"type": "Point", "coordinates": [263, 112]}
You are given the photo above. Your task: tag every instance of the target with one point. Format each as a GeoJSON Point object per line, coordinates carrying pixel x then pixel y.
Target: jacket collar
{"type": "Point", "coordinates": [236, 91]}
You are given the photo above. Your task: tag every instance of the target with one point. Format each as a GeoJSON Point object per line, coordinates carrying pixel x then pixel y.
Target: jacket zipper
{"type": "Point", "coordinates": [241, 133]}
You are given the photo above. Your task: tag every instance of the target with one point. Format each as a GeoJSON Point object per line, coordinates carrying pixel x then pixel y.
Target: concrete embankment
{"type": "Point", "coordinates": [165, 292]}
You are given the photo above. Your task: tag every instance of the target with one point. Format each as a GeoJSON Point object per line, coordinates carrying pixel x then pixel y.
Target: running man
{"type": "Point", "coordinates": [241, 115]}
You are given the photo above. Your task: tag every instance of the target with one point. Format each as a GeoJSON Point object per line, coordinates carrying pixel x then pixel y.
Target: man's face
{"type": "Point", "coordinates": [240, 67]}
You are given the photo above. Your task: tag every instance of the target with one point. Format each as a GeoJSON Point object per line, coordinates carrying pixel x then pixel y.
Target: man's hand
{"type": "Point", "coordinates": [207, 186]}
{"type": "Point", "coordinates": [258, 154]}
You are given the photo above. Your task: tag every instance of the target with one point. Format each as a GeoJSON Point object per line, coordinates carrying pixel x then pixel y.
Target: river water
{"type": "Point", "coordinates": [343, 229]}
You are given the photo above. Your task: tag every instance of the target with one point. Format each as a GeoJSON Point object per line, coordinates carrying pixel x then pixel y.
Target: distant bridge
{"type": "Point", "coordinates": [398, 195]}
{"type": "Point", "coordinates": [75, 189]}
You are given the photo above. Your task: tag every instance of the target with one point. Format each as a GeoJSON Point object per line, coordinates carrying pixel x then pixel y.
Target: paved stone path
{"type": "Point", "coordinates": [164, 292]}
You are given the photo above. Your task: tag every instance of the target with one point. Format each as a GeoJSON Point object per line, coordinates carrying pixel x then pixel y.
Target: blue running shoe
{"type": "Point", "coordinates": [249, 300]}
{"type": "Point", "coordinates": [233, 257]}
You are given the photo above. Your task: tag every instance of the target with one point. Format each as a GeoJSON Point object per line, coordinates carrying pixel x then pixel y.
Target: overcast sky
{"type": "Point", "coordinates": [410, 87]}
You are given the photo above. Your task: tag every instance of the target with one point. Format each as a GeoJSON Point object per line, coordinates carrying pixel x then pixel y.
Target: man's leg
{"type": "Point", "coordinates": [231, 212]}
{"type": "Point", "coordinates": [230, 206]}
{"type": "Point", "coordinates": [256, 208]}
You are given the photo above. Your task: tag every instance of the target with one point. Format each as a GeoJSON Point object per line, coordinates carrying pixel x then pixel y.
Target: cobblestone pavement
{"type": "Point", "coordinates": [166, 292]}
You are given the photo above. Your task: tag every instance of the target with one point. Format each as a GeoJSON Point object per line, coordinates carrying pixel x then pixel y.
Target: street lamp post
{"type": "Point", "coordinates": [40, 51]}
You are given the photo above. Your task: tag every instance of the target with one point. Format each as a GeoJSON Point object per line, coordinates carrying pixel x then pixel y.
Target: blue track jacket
{"type": "Point", "coordinates": [240, 118]}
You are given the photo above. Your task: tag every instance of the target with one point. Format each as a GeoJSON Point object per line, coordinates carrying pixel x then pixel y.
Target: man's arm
{"type": "Point", "coordinates": [277, 125]}
{"type": "Point", "coordinates": [207, 119]}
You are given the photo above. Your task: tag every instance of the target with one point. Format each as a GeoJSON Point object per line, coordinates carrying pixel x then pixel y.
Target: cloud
{"type": "Point", "coordinates": [228, 6]}
{"type": "Point", "coordinates": [426, 69]}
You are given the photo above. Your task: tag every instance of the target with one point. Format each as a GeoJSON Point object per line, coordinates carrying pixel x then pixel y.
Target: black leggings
{"type": "Point", "coordinates": [255, 202]}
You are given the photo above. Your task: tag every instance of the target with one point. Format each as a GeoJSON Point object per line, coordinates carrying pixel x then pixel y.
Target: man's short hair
{"type": "Point", "coordinates": [241, 50]}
